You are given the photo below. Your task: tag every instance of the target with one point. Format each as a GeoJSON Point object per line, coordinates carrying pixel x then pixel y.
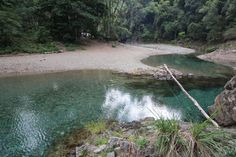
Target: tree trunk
{"type": "Point", "coordinates": [191, 98]}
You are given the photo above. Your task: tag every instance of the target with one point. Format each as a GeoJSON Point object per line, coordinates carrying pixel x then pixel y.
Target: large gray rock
{"type": "Point", "coordinates": [111, 154]}
{"type": "Point", "coordinates": [224, 107]}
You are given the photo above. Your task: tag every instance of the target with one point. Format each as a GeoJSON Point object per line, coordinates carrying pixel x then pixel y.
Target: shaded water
{"type": "Point", "coordinates": [36, 110]}
{"type": "Point", "coordinates": [190, 64]}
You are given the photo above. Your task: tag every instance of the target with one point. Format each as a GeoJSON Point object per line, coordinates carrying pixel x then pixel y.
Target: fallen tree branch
{"type": "Point", "coordinates": [191, 98]}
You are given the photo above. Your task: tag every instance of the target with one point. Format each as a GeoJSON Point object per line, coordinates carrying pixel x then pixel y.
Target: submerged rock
{"type": "Point", "coordinates": [224, 107]}
{"type": "Point", "coordinates": [160, 73]}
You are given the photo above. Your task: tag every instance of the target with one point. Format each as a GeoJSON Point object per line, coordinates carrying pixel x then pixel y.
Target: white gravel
{"type": "Point", "coordinates": [123, 58]}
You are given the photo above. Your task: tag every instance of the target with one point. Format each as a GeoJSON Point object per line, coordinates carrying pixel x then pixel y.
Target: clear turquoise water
{"type": "Point", "coordinates": [190, 64]}
{"type": "Point", "coordinates": [37, 110]}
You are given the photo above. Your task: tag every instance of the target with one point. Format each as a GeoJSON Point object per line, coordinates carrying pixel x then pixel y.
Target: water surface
{"type": "Point", "coordinates": [37, 110]}
{"type": "Point", "coordinates": [190, 64]}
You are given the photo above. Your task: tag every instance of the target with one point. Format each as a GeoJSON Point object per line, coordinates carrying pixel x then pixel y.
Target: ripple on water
{"type": "Point", "coordinates": [37, 110]}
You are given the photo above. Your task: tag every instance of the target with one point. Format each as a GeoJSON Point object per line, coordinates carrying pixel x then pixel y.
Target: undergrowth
{"type": "Point", "coordinates": [197, 141]}
{"type": "Point", "coordinates": [96, 127]}
{"type": "Point", "coordinates": [73, 47]}
{"type": "Point", "coordinates": [30, 47]}
{"type": "Point", "coordinates": [141, 142]}
{"type": "Point", "coordinates": [101, 141]}
{"type": "Point", "coordinates": [33, 47]}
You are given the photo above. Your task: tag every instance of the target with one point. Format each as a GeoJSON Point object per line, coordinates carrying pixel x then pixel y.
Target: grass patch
{"type": "Point", "coordinates": [117, 134]}
{"type": "Point", "coordinates": [132, 138]}
{"type": "Point", "coordinates": [207, 143]}
{"type": "Point", "coordinates": [210, 49]}
{"type": "Point", "coordinates": [141, 142]}
{"type": "Point", "coordinates": [196, 142]}
{"type": "Point", "coordinates": [167, 126]}
{"type": "Point", "coordinates": [96, 127]}
{"type": "Point", "coordinates": [101, 141]}
{"type": "Point", "coordinates": [168, 137]}
{"type": "Point", "coordinates": [84, 153]}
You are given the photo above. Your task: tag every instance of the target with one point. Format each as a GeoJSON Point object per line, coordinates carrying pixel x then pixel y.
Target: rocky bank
{"type": "Point", "coordinates": [145, 138]}
{"type": "Point", "coordinates": [224, 107]}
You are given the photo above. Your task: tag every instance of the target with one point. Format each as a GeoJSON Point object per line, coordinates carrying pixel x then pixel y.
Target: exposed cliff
{"type": "Point", "coordinates": [224, 108]}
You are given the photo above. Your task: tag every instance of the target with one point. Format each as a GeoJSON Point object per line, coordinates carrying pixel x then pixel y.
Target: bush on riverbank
{"type": "Point", "coordinates": [30, 47]}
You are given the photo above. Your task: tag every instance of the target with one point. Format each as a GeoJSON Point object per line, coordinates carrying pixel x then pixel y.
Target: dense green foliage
{"type": "Point", "coordinates": [32, 25]}
{"type": "Point", "coordinates": [211, 20]}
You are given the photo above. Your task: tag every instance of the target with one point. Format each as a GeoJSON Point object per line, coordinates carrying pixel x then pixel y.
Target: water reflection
{"type": "Point", "coordinates": [126, 107]}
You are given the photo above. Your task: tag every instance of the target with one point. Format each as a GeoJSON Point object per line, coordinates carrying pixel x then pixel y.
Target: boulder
{"type": "Point", "coordinates": [114, 142]}
{"type": "Point", "coordinates": [224, 107]}
{"type": "Point", "coordinates": [111, 154]}
{"type": "Point", "coordinates": [100, 149]}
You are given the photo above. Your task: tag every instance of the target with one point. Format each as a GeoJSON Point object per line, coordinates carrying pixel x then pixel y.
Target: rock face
{"type": "Point", "coordinates": [225, 105]}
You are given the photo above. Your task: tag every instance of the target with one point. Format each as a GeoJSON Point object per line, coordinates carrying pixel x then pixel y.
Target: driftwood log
{"type": "Point", "coordinates": [191, 98]}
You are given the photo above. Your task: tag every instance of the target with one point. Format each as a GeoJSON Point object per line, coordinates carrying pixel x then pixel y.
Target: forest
{"type": "Point", "coordinates": [35, 25]}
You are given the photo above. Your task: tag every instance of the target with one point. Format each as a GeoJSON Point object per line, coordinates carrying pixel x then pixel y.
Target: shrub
{"type": "Point", "coordinates": [211, 49]}
{"type": "Point", "coordinates": [181, 35]}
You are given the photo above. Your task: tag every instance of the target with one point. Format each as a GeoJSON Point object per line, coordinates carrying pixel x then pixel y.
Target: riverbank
{"type": "Point", "coordinates": [147, 137]}
{"type": "Point", "coordinates": [96, 55]}
{"type": "Point", "coordinates": [225, 57]}
{"type": "Point", "coordinates": [224, 53]}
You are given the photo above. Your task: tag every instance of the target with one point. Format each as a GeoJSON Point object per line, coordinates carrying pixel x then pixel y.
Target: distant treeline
{"type": "Point", "coordinates": [34, 24]}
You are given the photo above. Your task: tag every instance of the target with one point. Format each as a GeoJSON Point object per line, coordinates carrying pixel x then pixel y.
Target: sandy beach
{"type": "Point", "coordinates": [122, 58]}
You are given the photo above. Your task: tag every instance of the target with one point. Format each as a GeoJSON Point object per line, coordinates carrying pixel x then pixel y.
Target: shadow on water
{"type": "Point", "coordinates": [163, 88]}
